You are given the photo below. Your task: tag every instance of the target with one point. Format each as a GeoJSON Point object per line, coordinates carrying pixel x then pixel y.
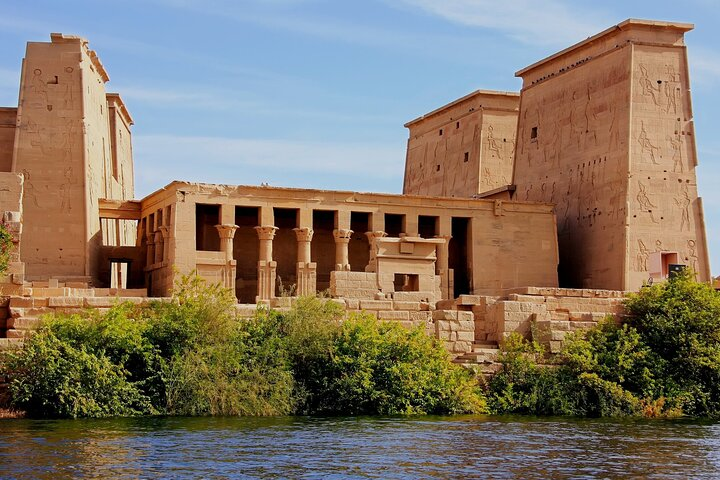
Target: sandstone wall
{"type": "Point", "coordinates": [463, 148]}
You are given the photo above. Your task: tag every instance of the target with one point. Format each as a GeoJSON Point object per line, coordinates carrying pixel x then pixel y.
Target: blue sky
{"type": "Point", "coordinates": [314, 93]}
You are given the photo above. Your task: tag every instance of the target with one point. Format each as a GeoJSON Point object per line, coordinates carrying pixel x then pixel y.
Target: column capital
{"type": "Point", "coordinates": [304, 234]}
{"type": "Point", "coordinates": [376, 234]}
{"type": "Point", "coordinates": [226, 231]}
{"type": "Point", "coordinates": [444, 237]}
{"type": "Point", "coordinates": [342, 234]}
{"type": "Point", "coordinates": [165, 231]}
{"type": "Point", "coordinates": [266, 232]}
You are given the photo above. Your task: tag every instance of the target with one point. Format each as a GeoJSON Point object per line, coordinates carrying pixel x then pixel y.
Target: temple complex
{"type": "Point", "coordinates": [534, 208]}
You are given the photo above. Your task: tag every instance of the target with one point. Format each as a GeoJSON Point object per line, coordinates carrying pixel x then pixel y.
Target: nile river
{"type": "Point", "coordinates": [301, 447]}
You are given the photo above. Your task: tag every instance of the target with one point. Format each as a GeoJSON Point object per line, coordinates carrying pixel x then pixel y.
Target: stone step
{"type": "Point", "coordinates": [24, 323]}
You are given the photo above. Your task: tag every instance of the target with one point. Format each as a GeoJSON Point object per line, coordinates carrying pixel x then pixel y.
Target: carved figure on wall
{"type": "Point", "coordinates": [671, 90]}
{"type": "Point", "coordinates": [683, 201]}
{"type": "Point", "coordinates": [642, 257]}
{"type": "Point", "coordinates": [647, 145]}
{"type": "Point", "coordinates": [659, 246]}
{"type": "Point", "coordinates": [644, 201]}
{"type": "Point", "coordinates": [692, 255]}
{"type": "Point", "coordinates": [486, 176]}
{"type": "Point", "coordinates": [590, 131]}
{"type": "Point", "coordinates": [492, 143]}
{"type": "Point", "coordinates": [676, 145]}
{"type": "Point", "coordinates": [527, 192]}
{"type": "Point", "coordinates": [614, 131]}
{"type": "Point", "coordinates": [578, 120]}
{"type": "Point", "coordinates": [39, 88]}
{"type": "Point", "coordinates": [550, 149]}
{"type": "Point", "coordinates": [649, 89]}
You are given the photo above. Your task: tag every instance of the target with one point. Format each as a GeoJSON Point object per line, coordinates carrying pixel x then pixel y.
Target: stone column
{"type": "Point", "coordinates": [342, 241]}
{"type": "Point", "coordinates": [372, 236]}
{"type": "Point", "coordinates": [443, 255]}
{"type": "Point", "coordinates": [267, 268]}
{"type": "Point", "coordinates": [150, 242]}
{"type": "Point", "coordinates": [227, 234]}
{"type": "Point", "coordinates": [306, 269]}
{"type": "Point", "coordinates": [158, 246]}
{"type": "Point", "coordinates": [165, 231]}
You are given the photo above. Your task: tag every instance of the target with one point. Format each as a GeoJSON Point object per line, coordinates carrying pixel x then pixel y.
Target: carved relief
{"type": "Point", "coordinates": [39, 88]}
{"type": "Point", "coordinates": [683, 201]}
{"type": "Point", "coordinates": [692, 256]}
{"type": "Point", "coordinates": [647, 145]}
{"type": "Point", "coordinates": [492, 143]}
{"type": "Point", "coordinates": [649, 88]}
{"type": "Point", "coordinates": [672, 90]}
{"type": "Point", "coordinates": [644, 201]}
{"type": "Point", "coordinates": [642, 257]}
{"type": "Point", "coordinates": [676, 145]}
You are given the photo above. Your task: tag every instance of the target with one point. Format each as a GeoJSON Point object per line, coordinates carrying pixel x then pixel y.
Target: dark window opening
{"type": "Point", "coordinates": [405, 282]}
{"type": "Point", "coordinates": [458, 255]}
{"type": "Point", "coordinates": [533, 132]}
{"type": "Point", "coordinates": [427, 226]}
{"type": "Point", "coordinates": [285, 250]}
{"type": "Point", "coordinates": [437, 167]}
{"type": "Point", "coordinates": [207, 237]}
{"type": "Point", "coordinates": [322, 247]}
{"type": "Point", "coordinates": [466, 157]}
{"type": "Point", "coordinates": [441, 132]}
{"type": "Point", "coordinates": [246, 251]}
{"type": "Point", "coordinates": [394, 224]}
{"type": "Point", "coordinates": [53, 80]}
{"type": "Point", "coordinates": [457, 124]}
{"type": "Point", "coordinates": [359, 247]}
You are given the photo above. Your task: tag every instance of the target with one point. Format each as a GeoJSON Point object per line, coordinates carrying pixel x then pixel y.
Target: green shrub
{"type": "Point", "coordinates": [6, 246]}
{"type": "Point", "coordinates": [53, 378]}
{"type": "Point", "coordinates": [382, 368]}
{"type": "Point", "coordinates": [679, 321]}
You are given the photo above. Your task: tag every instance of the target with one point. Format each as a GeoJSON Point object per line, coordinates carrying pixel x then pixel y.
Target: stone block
{"type": "Point", "coordinates": [420, 316]}
{"type": "Point", "coordinates": [445, 315]}
{"type": "Point", "coordinates": [393, 315]}
{"type": "Point", "coordinates": [352, 303]}
{"type": "Point", "coordinates": [24, 323]}
{"type": "Point", "coordinates": [465, 316]}
{"type": "Point", "coordinates": [409, 306]}
{"type": "Point", "coordinates": [100, 302]}
{"type": "Point", "coordinates": [466, 336]}
{"type": "Point", "coordinates": [466, 325]}
{"type": "Point", "coordinates": [65, 302]}
{"type": "Point", "coordinates": [376, 304]}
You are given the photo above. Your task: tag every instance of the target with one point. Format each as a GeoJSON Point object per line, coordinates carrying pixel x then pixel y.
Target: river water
{"type": "Point", "coordinates": [364, 447]}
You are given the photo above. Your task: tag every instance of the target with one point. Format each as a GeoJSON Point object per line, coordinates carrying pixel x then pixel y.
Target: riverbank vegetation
{"type": "Point", "coordinates": [193, 356]}
{"type": "Point", "coordinates": [662, 360]}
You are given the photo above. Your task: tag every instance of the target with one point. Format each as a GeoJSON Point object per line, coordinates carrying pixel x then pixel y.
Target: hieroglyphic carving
{"type": "Point", "coordinates": [692, 257]}
{"type": "Point", "coordinates": [645, 204]}
{"type": "Point", "coordinates": [649, 89]}
{"type": "Point", "coordinates": [647, 145]}
{"type": "Point", "coordinates": [39, 89]}
{"type": "Point", "coordinates": [683, 201]}
{"type": "Point", "coordinates": [642, 257]}
{"type": "Point", "coordinates": [492, 143]}
{"type": "Point", "coordinates": [676, 145]}
{"type": "Point", "coordinates": [672, 87]}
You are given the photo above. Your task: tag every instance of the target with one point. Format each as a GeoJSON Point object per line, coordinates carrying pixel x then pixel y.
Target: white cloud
{"type": "Point", "coordinates": [704, 66]}
{"type": "Point", "coordinates": [550, 22]}
{"type": "Point", "coordinates": [160, 159]}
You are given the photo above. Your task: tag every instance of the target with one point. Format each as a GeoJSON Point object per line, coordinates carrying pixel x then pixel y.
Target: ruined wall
{"type": "Point", "coordinates": [596, 139]}
{"type": "Point", "coordinates": [463, 148]}
{"type": "Point", "coordinates": [8, 117]}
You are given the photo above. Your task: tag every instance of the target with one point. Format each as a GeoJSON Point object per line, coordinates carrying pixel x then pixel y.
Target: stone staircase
{"type": "Point", "coordinates": [483, 355]}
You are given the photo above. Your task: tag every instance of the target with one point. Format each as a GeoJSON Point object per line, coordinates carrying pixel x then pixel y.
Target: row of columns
{"type": "Point", "coordinates": [306, 268]}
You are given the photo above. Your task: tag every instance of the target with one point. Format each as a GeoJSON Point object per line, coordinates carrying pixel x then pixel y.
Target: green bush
{"type": "Point", "coordinates": [382, 368]}
{"type": "Point", "coordinates": [6, 246]}
{"type": "Point", "coordinates": [679, 321]}
{"type": "Point", "coordinates": [193, 356]}
{"type": "Point", "coordinates": [53, 378]}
